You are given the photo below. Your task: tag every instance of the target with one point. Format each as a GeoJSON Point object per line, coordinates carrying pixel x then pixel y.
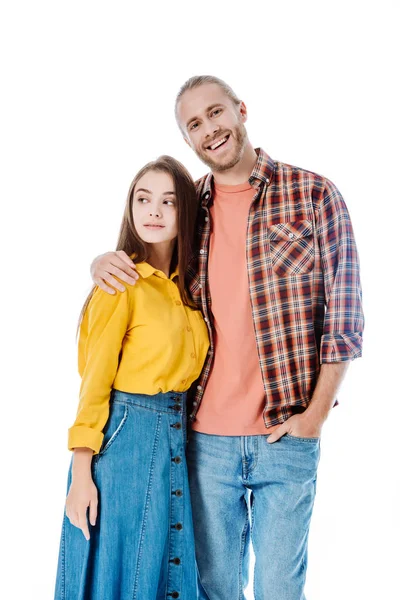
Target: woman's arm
{"type": "Point", "coordinates": [82, 492]}
{"type": "Point", "coordinates": [102, 332]}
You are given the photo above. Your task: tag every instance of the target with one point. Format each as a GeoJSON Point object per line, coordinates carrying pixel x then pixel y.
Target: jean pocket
{"type": "Point", "coordinates": [116, 421]}
{"type": "Point", "coordinates": [291, 247]}
{"type": "Point", "coordinates": [307, 440]}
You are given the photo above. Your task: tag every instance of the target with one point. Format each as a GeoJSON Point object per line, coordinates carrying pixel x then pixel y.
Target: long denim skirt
{"type": "Point", "coordinates": [142, 546]}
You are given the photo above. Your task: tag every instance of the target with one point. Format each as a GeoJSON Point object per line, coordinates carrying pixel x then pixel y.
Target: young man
{"type": "Point", "coordinates": [277, 277]}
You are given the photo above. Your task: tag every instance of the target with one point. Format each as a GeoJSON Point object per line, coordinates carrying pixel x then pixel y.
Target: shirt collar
{"type": "Point", "coordinates": [146, 270]}
{"type": "Point", "coordinates": [262, 172]}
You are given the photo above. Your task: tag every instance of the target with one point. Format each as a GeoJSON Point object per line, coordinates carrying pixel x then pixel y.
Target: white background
{"type": "Point", "coordinates": [87, 98]}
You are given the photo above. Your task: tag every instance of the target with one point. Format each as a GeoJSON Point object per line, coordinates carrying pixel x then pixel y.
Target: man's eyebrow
{"type": "Point", "coordinates": [150, 192]}
{"type": "Point", "coordinates": [207, 110]}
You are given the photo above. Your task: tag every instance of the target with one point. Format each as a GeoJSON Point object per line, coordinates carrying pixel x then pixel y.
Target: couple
{"type": "Point", "coordinates": [245, 306]}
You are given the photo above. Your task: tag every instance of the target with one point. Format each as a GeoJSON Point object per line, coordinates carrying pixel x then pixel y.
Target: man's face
{"type": "Point", "coordinates": [213, 126]}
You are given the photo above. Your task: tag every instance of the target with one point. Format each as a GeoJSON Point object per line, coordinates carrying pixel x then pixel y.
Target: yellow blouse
{"type": "Point", "coordinates": [143, 340]}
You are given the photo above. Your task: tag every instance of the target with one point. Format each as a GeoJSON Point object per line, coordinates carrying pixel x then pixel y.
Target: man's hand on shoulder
{"type": "Point", "coordinates": [118, 264]}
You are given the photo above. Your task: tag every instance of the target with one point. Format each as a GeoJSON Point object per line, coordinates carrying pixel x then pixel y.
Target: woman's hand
{"type": "Point", "coordinates": [113, 263]}
{"type": "Point", "coordinates": [82, 492]}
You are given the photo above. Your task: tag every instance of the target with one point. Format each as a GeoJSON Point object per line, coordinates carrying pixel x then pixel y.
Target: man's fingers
{"type": "Point", "coordinates": [108, 280]}
{"type": "Point", "coordinates": [125, 274]}
{"type": "Point", "coordinates": [93, 512]}
{"type": "Point", "coordinates": [102, 285]}
{"type": "Point", "coordinates": [123, 255]}
{"type": "Point", "coordinates": [126, 264]}
{"type": "Point", "coordinates": [277, 434]}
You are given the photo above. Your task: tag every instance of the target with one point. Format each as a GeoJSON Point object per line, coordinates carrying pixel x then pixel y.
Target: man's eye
{"type": "Point", "coordinates": [216, 111]}
{"type": "Point", "coordinates": [193, 126]}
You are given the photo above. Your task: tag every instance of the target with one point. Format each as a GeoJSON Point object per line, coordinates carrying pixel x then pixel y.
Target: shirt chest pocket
{"type": "Point", "coordinates": [292, 247]}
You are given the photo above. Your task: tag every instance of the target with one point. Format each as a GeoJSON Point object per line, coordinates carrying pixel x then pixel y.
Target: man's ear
{"type": "Point", "coordinates": [187, 141]}
{"type": "Point", "coordinates": [243, 111]}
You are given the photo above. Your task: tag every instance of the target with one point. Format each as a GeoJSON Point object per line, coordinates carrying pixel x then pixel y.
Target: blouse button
{"type": "Point", "coordinates": [178, 303]}
{"type": "Point", "coordinates": [193, 355]}
{"type": "Point", "coordinates": [188, 329]}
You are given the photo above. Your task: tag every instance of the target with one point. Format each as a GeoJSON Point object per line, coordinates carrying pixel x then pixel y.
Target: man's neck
{"type": "Point", "coordinates": [241, 171]}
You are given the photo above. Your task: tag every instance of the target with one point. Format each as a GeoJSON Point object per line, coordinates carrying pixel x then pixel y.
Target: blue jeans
{"type": "Point", "coordinates": [142, 546]}
{"type": "Point", "coordinates": [243, 487]}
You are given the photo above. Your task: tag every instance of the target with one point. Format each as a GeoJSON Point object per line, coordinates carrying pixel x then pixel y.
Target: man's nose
{"type": "Point", "coordinates": [211, 129]}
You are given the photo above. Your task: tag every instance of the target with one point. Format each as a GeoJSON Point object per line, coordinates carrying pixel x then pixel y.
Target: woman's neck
{"type": "Point", "coordinates": [160, 256]}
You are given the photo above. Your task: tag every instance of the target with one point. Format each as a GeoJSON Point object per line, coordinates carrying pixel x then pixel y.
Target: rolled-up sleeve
{"type": "Point", "coordinates": [101, 336]}
{"type": "Point", "coordinates": [344, 318]}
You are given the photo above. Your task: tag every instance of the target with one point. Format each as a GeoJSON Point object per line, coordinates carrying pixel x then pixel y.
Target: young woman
{"type": "Point", "coordinates": [127, 530]}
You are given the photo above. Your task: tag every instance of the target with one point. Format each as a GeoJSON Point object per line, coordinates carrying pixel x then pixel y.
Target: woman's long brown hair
{"type": "Point", "coordinates": [186, 204]}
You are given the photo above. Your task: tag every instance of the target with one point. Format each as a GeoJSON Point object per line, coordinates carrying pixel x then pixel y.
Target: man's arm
{"type": "Point", "coordinates": [344, 320]}
{"type": "Point", "coordinates": [309, 423]}
{"type": "Point", "coordinates": [116, 263]}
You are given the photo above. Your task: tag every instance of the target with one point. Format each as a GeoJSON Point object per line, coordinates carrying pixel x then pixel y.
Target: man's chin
{"type": "Point", "coordinates": [220, 165]}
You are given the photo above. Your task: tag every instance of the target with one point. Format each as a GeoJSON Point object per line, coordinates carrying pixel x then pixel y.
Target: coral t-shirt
{"type": "Point", "coordinates": [234, 397]}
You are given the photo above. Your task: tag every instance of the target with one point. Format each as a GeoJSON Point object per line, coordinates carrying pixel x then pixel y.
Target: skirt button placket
{"type": "Point", "coordinates": [177, 507]}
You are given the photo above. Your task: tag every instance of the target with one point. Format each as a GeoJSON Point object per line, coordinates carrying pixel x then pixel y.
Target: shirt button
{"type": "Point", "coordinates": [179, 493]}
{"type": "Point", "coordinates": [177, 460]}
{"type": "Point", "coordinates": [193, 355]}
{"type": "Point", "coordinates": [206, 218]}
{"type": "Point", "coordinates": [195, 403]}
{"type": "Point", "coordinates": [175, 595]}
{"type": "Point", "coordinates": [200, 286]}
{"type": "Point", "coordinates": [199, 387]}
{"type": "Point", "coordinates": [179, 526]}
{"type": "Point", "coordinates": [291, 235]}
{"type": "Point", "coordinates": [205, 319]}
{"type": "Point", "coordinates": [176, 561]}
{"type": "Point", "coordinates": [177, 426]}
{"type": "Point", "coordinates": [267, 179]}
{"type": "Point", "coordinates": [178, 302]}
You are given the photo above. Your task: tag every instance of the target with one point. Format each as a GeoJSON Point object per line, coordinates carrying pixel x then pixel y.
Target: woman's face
{"type": "Point", "coordinates": [154, 208]}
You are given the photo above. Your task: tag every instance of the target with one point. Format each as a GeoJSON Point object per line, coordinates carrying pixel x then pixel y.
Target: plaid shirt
{"type": "Point", "coordinates": [304, 282]}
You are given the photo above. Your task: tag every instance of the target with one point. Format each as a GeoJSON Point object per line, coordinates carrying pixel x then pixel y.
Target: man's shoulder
{"type": "Point", "coordinates": [292, 172]}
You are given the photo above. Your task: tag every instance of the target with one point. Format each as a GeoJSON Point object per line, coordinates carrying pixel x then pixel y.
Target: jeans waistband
{"type": "Point", "coordinates": [169, 402]}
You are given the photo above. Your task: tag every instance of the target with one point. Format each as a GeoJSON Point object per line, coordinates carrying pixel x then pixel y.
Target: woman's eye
{"type": "Point", "coordinates": [170, 202]}
{"type": "Point", "coordinates": [142, 200]}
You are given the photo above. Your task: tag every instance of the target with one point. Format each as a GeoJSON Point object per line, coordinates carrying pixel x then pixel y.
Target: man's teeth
{"type": "Point", "coordinates": [219, 143]}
